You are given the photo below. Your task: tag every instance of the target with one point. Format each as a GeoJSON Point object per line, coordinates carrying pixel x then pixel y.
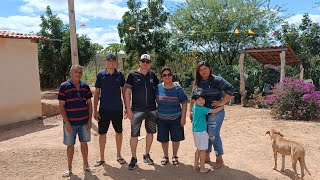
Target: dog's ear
{"type": "Point", "coordinates": [280, 134]}
{"type": "Point", "coordinates": [268, 132]}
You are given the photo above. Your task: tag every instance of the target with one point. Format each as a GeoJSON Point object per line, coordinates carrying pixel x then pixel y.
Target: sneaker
{"type": "Point", "coordinates": [133, 163]}
{"type": "Point", "coordinates": [147, 159]}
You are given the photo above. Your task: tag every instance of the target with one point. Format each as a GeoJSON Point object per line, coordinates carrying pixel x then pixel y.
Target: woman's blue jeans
{"type": "Point", "coordinates": [214, 125]}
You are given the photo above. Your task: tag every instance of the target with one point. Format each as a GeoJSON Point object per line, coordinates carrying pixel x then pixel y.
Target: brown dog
{"type": "Point", "coordinates": [288, 148]}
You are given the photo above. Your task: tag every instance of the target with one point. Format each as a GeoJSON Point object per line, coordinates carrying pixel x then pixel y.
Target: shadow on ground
{"type": "Point", "coordinates": [22, 128]}
{"type": "Point", "coordinates": [182, 171]}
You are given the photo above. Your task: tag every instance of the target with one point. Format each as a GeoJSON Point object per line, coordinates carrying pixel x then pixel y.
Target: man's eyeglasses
{"type": "Point", "coordinates": [145, 61]}
{"type": "Point", "coordinates": [167, 75]}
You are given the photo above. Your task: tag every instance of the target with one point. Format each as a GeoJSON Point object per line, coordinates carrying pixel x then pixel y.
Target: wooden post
{"type": "Point", "coordinates": [73, 34]}
{"type": "Point", "coordinates": [283, 62]}
{"type": "Point", "coordinates": [242, 80]}
{"type": "Point", "coordinates": [301, 71]}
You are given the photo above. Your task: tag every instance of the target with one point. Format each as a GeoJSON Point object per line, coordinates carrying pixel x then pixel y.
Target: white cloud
{"type": "Point", "coordinates": [100, 36]}
{"type": "Point", "coordinates": [296, 19]}
{"type": "Point", "coordinates": [23, 24]}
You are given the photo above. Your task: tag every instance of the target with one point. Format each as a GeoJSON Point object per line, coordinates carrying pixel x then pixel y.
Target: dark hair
{"type": "Point", "coordinates": [197, 93]}
{"type": "Point", "coordinates": [197, 72]}
{"type": "Point", "coordinates": [165, 68]}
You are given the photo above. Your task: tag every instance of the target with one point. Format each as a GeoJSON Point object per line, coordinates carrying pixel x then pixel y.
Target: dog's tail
{"type": "Point", "coordinates": [304, 163]}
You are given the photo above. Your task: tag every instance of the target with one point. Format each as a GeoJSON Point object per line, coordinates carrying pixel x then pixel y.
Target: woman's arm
{"type": "Point", "coordinates": [184, 113]}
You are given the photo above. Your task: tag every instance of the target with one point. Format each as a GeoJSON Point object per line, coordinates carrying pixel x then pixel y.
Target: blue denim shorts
{"type": "Point", "coordinates": [69, 139]}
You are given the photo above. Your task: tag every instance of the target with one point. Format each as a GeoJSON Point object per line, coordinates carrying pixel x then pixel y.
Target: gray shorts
{"type": "Point", "coordinates": [150, 118]}
{"type": "Point", "coordinates": [201, 140]}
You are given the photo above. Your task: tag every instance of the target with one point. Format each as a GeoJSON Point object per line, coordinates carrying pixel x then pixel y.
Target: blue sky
{"type": "Point", "coordinates": [102, 16]}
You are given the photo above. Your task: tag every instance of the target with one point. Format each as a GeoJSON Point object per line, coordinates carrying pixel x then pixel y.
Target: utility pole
{"type": "Point", "coordinates": [73, 34]}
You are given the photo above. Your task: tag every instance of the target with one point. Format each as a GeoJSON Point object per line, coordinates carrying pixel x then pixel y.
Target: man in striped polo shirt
{"type": "Point", "coordinates": [76, 110]}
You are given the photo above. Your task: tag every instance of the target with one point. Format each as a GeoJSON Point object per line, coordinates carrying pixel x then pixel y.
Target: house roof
{"type": "Point", "coordinates": [271, 55]}
{"type": "Point", "coordinates": [15, 35]}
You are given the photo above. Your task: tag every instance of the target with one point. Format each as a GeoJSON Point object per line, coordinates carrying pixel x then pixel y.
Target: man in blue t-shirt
{"type": "Point", "coordinates": [140, 86]}
{"type": "Point", "coordinates": [76, 110]}
{"type": "Point", "coordinates": [109, 87]}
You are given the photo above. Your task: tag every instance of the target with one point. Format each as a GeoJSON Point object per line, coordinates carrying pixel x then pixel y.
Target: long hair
{"type": "Point", "coordinates": [198, 77]}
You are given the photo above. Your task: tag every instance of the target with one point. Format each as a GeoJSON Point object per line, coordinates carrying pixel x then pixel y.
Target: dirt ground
{"type": "Point", "coordinates": [34, 150]}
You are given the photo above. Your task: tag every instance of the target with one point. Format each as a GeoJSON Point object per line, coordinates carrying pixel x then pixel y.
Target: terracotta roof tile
{"type": "Point", "coordinates": [15, 35]}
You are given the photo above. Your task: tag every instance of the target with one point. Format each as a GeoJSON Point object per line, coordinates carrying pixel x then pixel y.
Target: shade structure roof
{"type": "Point", "coordinates": [271, 55]}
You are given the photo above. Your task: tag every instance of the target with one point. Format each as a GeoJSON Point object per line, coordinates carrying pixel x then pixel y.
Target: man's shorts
{"type": "Point", "coordinates": [110, 115]}
{"type": "Point", "coordinates": [172, 127]}
{"type": "Point", "coordinates": [201, 140]}
{"type": "Point", "coordinates": [150, 118]}
{"type": "Point", "coordinates": [69, 139]}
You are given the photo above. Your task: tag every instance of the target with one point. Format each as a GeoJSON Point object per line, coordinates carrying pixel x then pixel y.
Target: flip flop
{"type": "Point", "coordinates": [67, 174]}
{"type": "Point", "coordinates": [121, 160]}
{"type": "Point", "coordinates": [217, 166]}
{"type": "Point", "coordinates": [99, 163]}
{"type": "Point", "coordinates": [89, 169]}
{"type": "Point", "coordinates": [206, 170]}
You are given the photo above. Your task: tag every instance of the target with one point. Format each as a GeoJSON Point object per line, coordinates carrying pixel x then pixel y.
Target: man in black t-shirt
{"type": "Point", "coordinates": [141, 85]}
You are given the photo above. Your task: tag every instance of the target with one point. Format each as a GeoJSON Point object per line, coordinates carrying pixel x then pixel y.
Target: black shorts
{"type": "Point", "coordinates": [110, 115]}
{"type": "Point", "coordinates": [170, 130]}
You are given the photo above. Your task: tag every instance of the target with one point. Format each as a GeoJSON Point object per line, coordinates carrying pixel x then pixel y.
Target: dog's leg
{"type": "Point", "coordinates": [283, 161]}
{"type": "Point", "coordinates": [294, 167]}
{"type": "Point", "coordinates": [302, 168]}
{"type": "Point", "coordinates": [275, 160]}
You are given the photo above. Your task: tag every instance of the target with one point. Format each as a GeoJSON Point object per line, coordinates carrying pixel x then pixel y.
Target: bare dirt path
{"type": "Point", "coordinates": [34, 150]}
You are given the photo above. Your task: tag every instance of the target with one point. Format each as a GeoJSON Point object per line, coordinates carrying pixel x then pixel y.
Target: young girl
{"type": "Point", "coordinates": [199, 129]}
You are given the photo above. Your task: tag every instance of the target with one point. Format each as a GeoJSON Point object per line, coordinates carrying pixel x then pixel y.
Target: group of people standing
{"type": "Point", "coordinates": [163, 106]}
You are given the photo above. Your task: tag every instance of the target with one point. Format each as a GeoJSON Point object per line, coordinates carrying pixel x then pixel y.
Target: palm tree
{"type": "Point", "coordinates": [114, 48]}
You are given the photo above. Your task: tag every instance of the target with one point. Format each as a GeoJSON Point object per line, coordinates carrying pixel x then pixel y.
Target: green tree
{"type": "Point", "coordinates": [55, 55]}
{"type": "Point", "coordinates": [304, 39]}
{"type": "Point", "coordinates": [208, 26]}
{"type": "Point", "coordinates": [114, 48]}
{"type": "Point", "coordinates": [49, 55]}
{"type": "Point", "coordinates": [142, 31]}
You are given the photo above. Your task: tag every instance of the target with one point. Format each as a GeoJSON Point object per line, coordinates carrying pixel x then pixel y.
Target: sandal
{"type": "Point", "coordinates": [164, 161]}
{"type": "Point", "coordinates": [99, 163]}
{"type": "Point", "coordinates": [67, 174]}
{"type": "Point", "coordinates": [121, 160]}
{"type": "Point", "coordinates": [175, 160]}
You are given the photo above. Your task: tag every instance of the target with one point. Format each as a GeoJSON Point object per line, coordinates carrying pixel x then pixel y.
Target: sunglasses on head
{"type": "Point", "coordinates": [145, 61]}
{"type": "Point", "coordinates": [167, 75]}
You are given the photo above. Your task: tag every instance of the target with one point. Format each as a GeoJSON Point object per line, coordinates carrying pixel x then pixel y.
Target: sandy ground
{"type": "Point", "coordinates": [34, 150]}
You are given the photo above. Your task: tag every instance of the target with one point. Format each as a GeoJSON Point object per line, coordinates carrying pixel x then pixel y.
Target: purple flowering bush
{"type": "Point", "coordinates": [294, 99]}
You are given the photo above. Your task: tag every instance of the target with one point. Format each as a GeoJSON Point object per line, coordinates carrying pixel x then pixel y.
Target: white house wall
{"type": "Point", "coordinates": [20, 97]}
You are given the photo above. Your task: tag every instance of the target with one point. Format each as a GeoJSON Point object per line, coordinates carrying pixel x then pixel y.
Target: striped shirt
{"type": "Point", "coordinates": [169, 101]}
{"type": "Point", "coordinates": [213, 89]}
{"type": "Point", "coordinates": [75, 101]}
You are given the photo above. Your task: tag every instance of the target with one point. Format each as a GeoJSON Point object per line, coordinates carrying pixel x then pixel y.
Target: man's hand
{"type": "Point", "coordinates": [96, 115]}
{"type": "Point", "coordinates": [89, 124]}
{"type": "Point", "coordinates": [68, 127]}
{"type": "Point", "coordinates": [129, 114]}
